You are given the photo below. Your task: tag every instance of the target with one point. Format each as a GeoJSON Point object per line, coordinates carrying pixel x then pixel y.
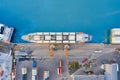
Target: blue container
{"type": "Point", "coordinates": [24, 77]}
{"type": "Point", "coordinates": [47, 78]}
{"type": "Point", "coordinates": [34, 63]}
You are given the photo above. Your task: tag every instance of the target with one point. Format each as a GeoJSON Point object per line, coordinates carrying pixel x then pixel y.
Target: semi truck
{"type": "Point", "coordinates": [34, 73]}
{"type": "Point", "coordinates": [46, 75]}
{"type": "Point", "coordinates": [34, 70]}
{"type": "Point", "coordinates": [24, 73]}
{"type": "Point", "coordinates": [59, 69]}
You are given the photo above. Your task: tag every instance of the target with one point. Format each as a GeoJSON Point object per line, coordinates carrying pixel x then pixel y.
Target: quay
{"type": "Point", "coordinates": [88, 45]}
{"type": "Point", "coordinates": [103, 53]}
{"type": "Point", "coordinates": [77, 50]}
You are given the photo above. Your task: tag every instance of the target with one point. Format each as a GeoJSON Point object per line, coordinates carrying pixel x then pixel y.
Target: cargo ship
{"type": "Point", "coordinates": [57, 37]}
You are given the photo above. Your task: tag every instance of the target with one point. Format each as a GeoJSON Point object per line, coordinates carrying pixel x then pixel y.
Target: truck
{"type": "Point", "coordinates": [34, 73]}
{"type": "Point", "coordinates": [59, 69]}
{"type": "Point", "coordinates": [13, 73]}
{"type": "Point", "coordinates": [34, 70]}
{"type": "Point", "coordinates": [24, 73]}
{"type": "Point", "coordinates": [46, 75]}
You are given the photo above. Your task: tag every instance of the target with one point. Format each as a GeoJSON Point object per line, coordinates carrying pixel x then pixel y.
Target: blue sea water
{"type": "Point", "coordinates": [94, 17]}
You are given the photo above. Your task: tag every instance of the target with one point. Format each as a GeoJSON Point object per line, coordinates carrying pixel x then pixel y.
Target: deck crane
{"type": "Point", "coordinates": [51, 50]}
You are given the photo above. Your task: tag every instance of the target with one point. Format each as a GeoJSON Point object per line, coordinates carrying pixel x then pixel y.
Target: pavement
{"type": "Point", "coordinates": [101, 52]}
{"type": "Point", "coordinates": [50, 64]}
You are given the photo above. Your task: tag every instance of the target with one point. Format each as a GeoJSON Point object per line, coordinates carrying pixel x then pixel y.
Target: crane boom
{"type": "Point", "coordinates": [66, 51]}
{"type": "Point", "coordinates": [51, 50]}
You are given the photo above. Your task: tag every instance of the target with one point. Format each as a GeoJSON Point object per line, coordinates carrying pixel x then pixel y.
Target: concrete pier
{"type": "Point", "coordinates": [40, 52]}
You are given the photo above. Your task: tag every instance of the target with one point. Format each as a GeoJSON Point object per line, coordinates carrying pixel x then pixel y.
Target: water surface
{"type": "Point", "coordinates": [90, 16]}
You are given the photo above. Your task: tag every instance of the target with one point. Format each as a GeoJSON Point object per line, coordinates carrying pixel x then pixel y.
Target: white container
{"type": "Point", "coordinates": [24, 70]}
{"type": "Point", "coordinates": [46, 75]}
{"type": "Point", "coordinates": [34, 71]}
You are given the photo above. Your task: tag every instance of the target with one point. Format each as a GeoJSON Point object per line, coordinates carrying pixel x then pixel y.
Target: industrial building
{"type": "Point", "coordinates": [111, 72]}
{"type": "Point", "coordinates": [5, 61]}
{"type": "Point", "coordinates": [88, 77]}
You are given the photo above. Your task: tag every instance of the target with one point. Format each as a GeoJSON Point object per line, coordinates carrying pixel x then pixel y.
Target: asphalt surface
{"type": "Point", "coordinates": [102, 53]}
{"type": "Point", "coordinates": [44, 64]}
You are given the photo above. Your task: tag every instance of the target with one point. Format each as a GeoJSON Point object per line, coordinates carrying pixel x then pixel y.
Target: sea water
{"type": "Point", "coordinates": [94, 17]}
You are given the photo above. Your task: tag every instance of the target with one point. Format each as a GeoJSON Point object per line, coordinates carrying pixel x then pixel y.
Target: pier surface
{"type": "Point", "coordinates": [40, 52]}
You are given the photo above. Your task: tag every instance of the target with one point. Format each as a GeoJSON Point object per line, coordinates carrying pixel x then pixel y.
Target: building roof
{"type": "Point", "coordinates": [88, 77]}
{"type": "Point", "coordinates": [115, 36]}
{"type": "Point", "coordinates": [111, 71]}
{"type": "Point", "coordinates": [6, 63]}
{"type": "Point", "coordinates": [5, 60]}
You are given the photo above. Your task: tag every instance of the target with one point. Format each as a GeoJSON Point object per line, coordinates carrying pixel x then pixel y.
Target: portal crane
{"type": "Point", "coordinates": [66, 47]}
{"type": "Point", "coordinates": [51, 50]}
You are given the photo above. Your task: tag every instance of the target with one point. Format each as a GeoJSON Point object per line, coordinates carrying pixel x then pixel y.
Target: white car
{"type": "Point", "coordinates": [98, 51]}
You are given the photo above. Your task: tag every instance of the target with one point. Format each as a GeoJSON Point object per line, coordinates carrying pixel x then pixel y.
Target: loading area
{"type": "Point", "coordinates": [58, 66]}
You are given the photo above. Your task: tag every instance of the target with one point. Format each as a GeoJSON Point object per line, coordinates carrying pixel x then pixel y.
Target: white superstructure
{"type": "Point", "coordinates": [57, 37]}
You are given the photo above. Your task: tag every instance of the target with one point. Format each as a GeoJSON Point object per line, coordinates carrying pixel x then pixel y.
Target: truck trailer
{"type": "Point", "coordinates": [24, 73]}
{"type": "Point", "coordinates": [59, 69]}
{"type": "Point", "coordinates": [46, 75]}
{"type": "Point", "coordinates": [34, 73]}
{"type": "Point", "coordinates": [34, 70]}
